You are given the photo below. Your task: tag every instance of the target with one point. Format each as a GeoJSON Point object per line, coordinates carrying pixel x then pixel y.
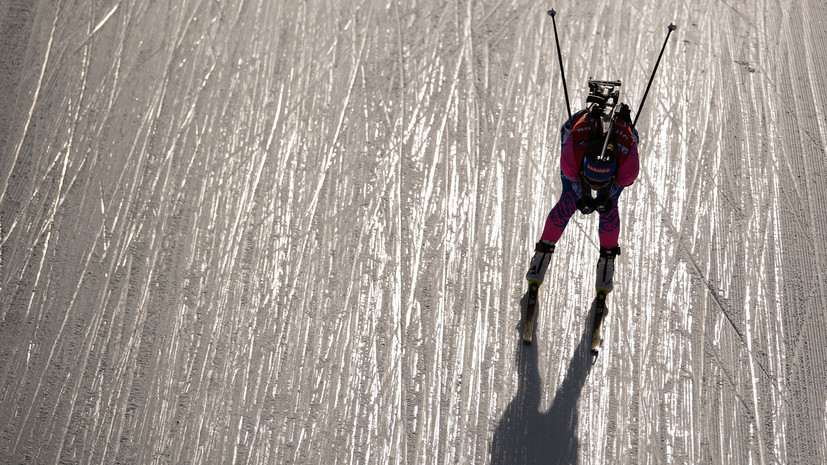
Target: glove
{"type": "Point", "coordinates": [625, 113]}
{"type": "Point", "coordinates": [584, 204]}
{"type": "Point", "coordinates": [602, 204]}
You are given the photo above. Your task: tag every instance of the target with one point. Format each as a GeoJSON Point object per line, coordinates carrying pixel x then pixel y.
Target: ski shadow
{"type": "Point", "coordinates": [525, 435]}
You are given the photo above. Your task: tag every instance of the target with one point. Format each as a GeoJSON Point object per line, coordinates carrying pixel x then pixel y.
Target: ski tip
{"type": "Point", "coordinates": [595, 353]}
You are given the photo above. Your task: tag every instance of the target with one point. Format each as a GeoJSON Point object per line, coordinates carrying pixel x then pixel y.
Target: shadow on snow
{"type": "Point", "coordinates": [527, 436]}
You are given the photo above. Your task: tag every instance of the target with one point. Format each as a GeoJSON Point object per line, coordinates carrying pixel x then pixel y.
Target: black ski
{"type": "Point", "coordinates": [600, 312]}
{"type": "Point", "coordinates": [531, 311]}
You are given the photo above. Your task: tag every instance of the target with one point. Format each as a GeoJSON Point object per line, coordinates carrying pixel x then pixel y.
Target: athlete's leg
{"type": "Point", "coordinates": [559, 216]}
{"type": "Point", "coordinates": [556, 222]}
{"type": "Point", "coordinates": [609, 229]}
{"type": "Point", "coordinates": [609, 232]}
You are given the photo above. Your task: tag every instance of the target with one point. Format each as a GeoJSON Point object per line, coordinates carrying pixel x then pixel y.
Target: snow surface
{"type": "Point", "coordinates": [296, 232]}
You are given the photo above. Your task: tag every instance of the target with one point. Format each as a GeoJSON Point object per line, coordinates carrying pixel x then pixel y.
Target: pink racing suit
{"type": "Point", "coordinates": [575, 142]}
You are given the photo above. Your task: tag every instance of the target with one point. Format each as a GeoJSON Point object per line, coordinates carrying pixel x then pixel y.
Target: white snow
{"type": "Point", "coordinates": [297, 232]}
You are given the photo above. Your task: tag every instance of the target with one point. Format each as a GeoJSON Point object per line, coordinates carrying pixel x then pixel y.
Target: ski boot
{"type": "Point", "coordinates": [536, 273]}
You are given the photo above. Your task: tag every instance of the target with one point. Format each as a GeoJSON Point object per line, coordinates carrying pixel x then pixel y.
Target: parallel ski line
{"type": "Point", "coordinates": [714, 294]}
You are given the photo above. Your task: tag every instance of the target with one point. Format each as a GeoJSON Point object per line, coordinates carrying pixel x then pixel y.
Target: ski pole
{"type": "Point", "coordinates": [671, 28]}
{"type": "Point", "coordinates": [560, 57]}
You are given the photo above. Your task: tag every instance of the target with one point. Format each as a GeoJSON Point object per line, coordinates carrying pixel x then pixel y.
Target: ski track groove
{"type": "Point", "coordinates": [275, 232]}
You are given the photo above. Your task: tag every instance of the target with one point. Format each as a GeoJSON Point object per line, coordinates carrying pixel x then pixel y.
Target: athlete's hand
{"type": "Point", "coordinates": [584, 204]}
{"type": "Point", "coordinates": [603, 204]}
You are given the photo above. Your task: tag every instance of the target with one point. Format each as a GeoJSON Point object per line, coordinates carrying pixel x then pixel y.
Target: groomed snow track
{"type": "Point", "coordinates": [296, 232]}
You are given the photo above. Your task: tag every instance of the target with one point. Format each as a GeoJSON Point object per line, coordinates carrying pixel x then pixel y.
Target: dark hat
{"type": "Point", "coordinates": [599, 169]}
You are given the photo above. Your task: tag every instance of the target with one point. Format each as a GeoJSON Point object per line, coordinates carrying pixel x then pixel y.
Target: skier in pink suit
{"type": "Point", "coordinates": [592, 181]}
